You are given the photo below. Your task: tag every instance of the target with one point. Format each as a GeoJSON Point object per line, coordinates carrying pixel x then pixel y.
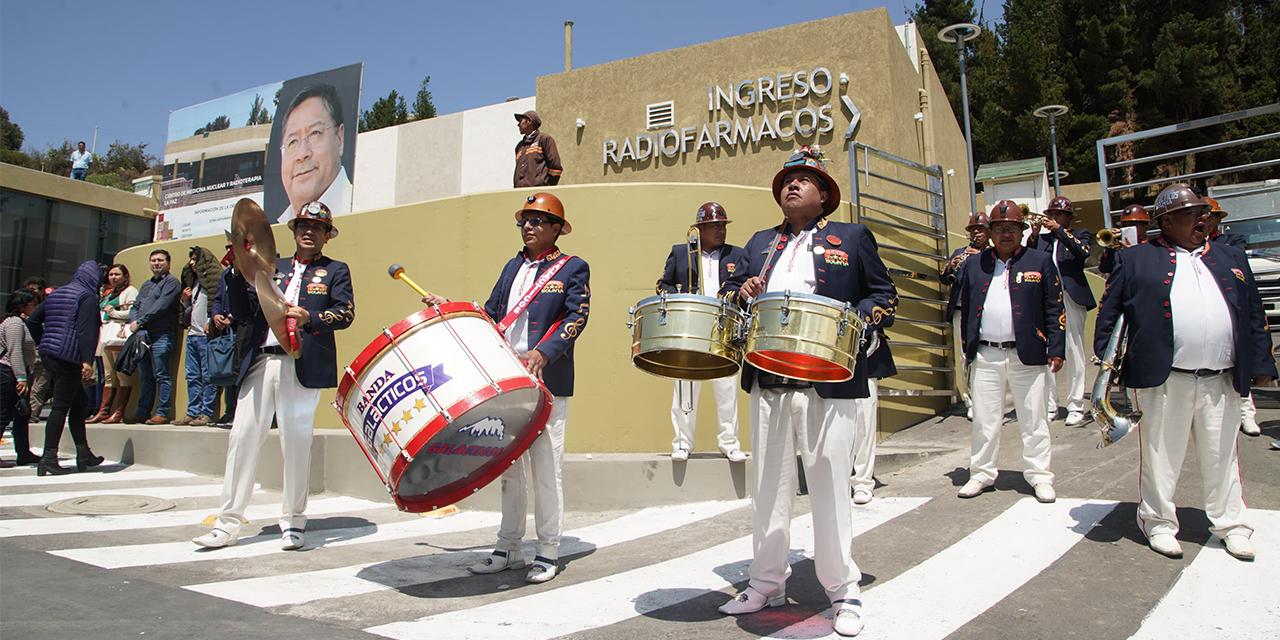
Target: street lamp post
{"type": "Point", "coordinates": [1051, 111]}
{"type": "Point", "coordinates": [960, 33]}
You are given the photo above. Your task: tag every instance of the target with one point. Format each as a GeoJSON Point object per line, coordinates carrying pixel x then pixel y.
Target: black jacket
{"type": "Point", "coordinates": [676, 272]}
{"type": "Point", "coordinates": [1073, 250]}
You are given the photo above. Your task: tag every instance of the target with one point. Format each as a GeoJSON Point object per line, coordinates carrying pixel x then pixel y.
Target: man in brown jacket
{"type": "Point", "coordinates": [537, 161]}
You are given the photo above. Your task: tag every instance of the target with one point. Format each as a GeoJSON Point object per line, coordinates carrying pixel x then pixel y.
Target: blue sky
{"type": "Point", "coordinates": [123, 66]}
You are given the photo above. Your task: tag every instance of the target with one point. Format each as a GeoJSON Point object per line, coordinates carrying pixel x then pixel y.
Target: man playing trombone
{"type": "Point", "coordinates": [715, 267]}
{"type": "Point", "coordinates": [1197, 340]}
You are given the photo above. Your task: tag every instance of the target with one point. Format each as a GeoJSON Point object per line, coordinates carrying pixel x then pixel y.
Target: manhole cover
{"type": "Point", "coordinates": [110, 505]}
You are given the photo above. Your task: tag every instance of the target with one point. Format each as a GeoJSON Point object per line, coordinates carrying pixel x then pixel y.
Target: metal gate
{"type": "Point", "coordinates": [903, 201]}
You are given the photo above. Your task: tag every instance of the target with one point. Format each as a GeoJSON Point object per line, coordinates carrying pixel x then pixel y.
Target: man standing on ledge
{"type": "Point", "coordinates": [718, 268]}
{"type": "Point", "coordinates": [1197, 341]}
{"type": "Point", "coordinates": [80, 160]}
{"type": "Point", "coordinates": [837, 260]}
{"type": "Point", "coordinates": [537, 161]}
{"type": "Point", "coordinates": [274, 385]}
{"type": "Point", "coordinates": [155, 312]}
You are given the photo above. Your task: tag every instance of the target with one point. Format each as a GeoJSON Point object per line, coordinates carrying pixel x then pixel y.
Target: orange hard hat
{"type": "Point", "coordinates": [1217, 208]}
{"type": "Point", "coordinates": [1134, 213]}
{"type": "Point", "coordinates": [548, 204]}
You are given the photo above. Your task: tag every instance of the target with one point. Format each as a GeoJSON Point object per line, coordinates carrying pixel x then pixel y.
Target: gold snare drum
{"type": "Point", "coordinates": [686, 337]}
{"type": "Point", "coordinates": [803, 336]}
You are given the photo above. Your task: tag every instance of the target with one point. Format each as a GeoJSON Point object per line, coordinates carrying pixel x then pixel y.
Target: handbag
{"type": "Point", "coordinates": [221, 353]}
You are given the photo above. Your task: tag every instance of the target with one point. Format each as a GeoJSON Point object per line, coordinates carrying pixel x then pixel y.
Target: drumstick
{"type": "Point", "coordinates": [397, 272]}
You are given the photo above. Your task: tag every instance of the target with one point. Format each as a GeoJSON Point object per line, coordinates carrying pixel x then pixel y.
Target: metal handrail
{"type": "Point", "coordinates": [914, 252]}
{"type": "Point", "coordinates": [895, 181]}
{"type": "Point", "coordinates": [904, 206]}
{"type": "Point", "coordinates": [1207, 147]}
{"type": "Point", "coordinates": [1199, 174]}
{"type": "Point", "coordinates": [899, 226]}
{"type": "Point", "coordinates": [920, 345]}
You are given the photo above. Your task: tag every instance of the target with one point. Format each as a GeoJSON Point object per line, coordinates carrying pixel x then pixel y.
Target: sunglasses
{"type": "Point", "coordinates": [534, 221]}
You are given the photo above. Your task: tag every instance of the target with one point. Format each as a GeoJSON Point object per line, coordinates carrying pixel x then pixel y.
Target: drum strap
{"type": "Point", "coordinates": [530, 294]}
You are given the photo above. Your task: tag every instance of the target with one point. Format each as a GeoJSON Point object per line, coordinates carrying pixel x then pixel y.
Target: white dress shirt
{"type": "Point", "coordinates": [291, 293]}
{"type": "Point", "coordinates": [997, 311]}
{"type": "Point", "coordinates": [711, 273]}
{"type": "Point", "coordinates": [794, 268]}
{"type": "Point", "coordinates": [518, 332]}
{"type": "Point", "coordinates": [1202, 333]}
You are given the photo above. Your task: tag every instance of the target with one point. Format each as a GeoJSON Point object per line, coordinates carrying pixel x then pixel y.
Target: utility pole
{"type": "Point", "coordinates": [960, 33]}
{"type": "Point", "coordinates": [1050, 111]}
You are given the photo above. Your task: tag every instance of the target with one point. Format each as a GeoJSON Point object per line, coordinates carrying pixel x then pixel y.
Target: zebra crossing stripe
{"type": "Point", "coordinates": [1002, 555]}
{"type": "Point", "coordinates": [1218, 596]}
{"type": "Point", "coordinates": [92, 524]}
{"type": "Point", "coordinates": [558, 612]}
{"type": "Point", "coordinates": [167, 493]}
{"type": "Point", "coordinates": [29, 478]}
{"type": "Point", "coordinates": [299, 588]}
{"type": "Point", "coordinates": [148, 555]}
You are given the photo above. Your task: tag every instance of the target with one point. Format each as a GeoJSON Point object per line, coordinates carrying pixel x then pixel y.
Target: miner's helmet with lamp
{"type": "Point", "coordinates": [548, 204]}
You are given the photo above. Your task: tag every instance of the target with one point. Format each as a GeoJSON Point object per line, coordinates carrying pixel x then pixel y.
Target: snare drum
{"type": "Point", "coordinates": [686, 337]}
{"type": "Point", "coordinates": [441, 405]}
{"type": "Point", "coordinates": [804, 336]}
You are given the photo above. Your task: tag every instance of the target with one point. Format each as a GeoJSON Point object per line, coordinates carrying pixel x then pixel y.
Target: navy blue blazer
{"type": "Point", "coordinates": [326, 294]}
{"type": "Point", "coordinates": [1139, 288]}
{"type": "Point", "coordinates": [676, 273]}
{"type": "Point", "coordinates": [1231, 240]}
{"type": "Point", "coordinates": [1039, 320]}
{"type": "Point", "coordinates": [880, 363]}
{"type": "Point", "coordinates": [557, 315]}
{"type": "Point", "coordinates": [849, 270]}
{"type": "Point", "coordinates": [1073, 250]}
{"type": "Point", "coordinates": [950, 276]}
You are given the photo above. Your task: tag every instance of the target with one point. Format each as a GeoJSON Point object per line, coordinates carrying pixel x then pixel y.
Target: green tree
{"type": "Point", "coordinates": [257, 114]}
{"type": "Point", "coordinates": [219, 123]}
{"type": "Point", "coordinates": [385, 112]}
{"type": "Point", "coordinates": [422, 105]}
{"type": "Point", "coordinates": [122, 156]}
{"type": "Point", "coordinates": [11, 134]}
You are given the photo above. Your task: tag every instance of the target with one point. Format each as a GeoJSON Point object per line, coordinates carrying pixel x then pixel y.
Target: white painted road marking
{"type": "Point", "coordinates": [89, 524]}
{"type": "Point", "coordinates": [29, 477]}
{"type": "Point", "coordinates": [549, 614]}
{"type": "Point", "coordinates": [1002, 555]}
{"type": "Point", "coordinates": [167, 493]}
{"type": "Point", "coordinates": [149, 555]}
{"type": "Point", "coordinates": [1218, 596]}
{"type": "Point", "coordinates": [371, 577]}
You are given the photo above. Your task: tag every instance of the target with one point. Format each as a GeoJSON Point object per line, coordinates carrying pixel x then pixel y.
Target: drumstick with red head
{"type": "Point", "coordinates": [397, 273]}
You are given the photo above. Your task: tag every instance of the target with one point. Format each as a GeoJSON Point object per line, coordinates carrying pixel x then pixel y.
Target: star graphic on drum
{"type": "Point", "coordinates": [395, 427]}
{"type": "Point", "coordinates": [419, 404]}
{"type": "Point", "coordinates": [386, 438]}
{"type": "Point", "coordinates": [408, 414]}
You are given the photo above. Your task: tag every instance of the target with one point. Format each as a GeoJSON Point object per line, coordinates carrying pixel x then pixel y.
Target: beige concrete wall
{"type": "Point", "coordinates": [79, 192]}
{"type": "Point", "coordinates": [218, 143]}
{"type": "Point", "coordinates": [457, 246]}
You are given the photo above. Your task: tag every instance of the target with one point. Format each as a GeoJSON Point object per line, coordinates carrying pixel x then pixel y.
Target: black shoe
{"type": "Point", "coordinates": [85, 458]}
{"type": "Point", "coordinates": [48, 466]}
{"type": "Point", "coordinates": [27, 458]}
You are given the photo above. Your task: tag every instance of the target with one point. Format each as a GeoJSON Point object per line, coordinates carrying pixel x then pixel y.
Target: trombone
{"type": "Point", "coordinates": [695, 258]}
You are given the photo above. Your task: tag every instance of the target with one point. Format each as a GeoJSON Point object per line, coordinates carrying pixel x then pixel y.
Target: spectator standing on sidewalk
{"type": "Point", "coordinates": [115, 304]}
{"type": "Point", "coordinates": [17, 362]}
{"type": "Point", "coordinates": [155, 312]}
{"type": "Point", "coordinates": [199, 281]}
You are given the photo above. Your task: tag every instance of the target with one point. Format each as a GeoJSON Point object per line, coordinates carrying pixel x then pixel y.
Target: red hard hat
{"type": "Point", "coordinates": [1007, 210]}
{"type": "Point", "coordinates": [711, 212]}
{"type": "Point", "coordinates": [1176, 197]}
{"type": "Point", "coordinates": [1134, 213]}
{"type": "Point", "coordinates": [546, 203]}
{"type": "Point", "coordinates": [1060, 204]}
{"type": "Point", "coordinates": [316, 211]}
{"type": "Point", "coordinates": [979, 220]}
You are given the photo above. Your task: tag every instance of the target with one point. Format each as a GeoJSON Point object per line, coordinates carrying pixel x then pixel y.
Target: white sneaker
{"type": "Point", "coordinates": [974, 487]}
{"type": "Point", "coordinates": [679, 455]}
{"type": "Point", "coordinates": [292, 539]}
{"type": "Point", "coordinates": [1075, 419]}
{"type": "Point", "coordinates": [751, 601]}
{"type": "Point", "coordinates": [1275, 445]}
{"type": "Point", "coordinates": [1165, 544]}
{"type": "Point", "coordinates": [847, 619]}
{"type": "Point", "coordinates": [735, 455]}
{"type": "Point", "coordinates": [1239, 547]}
{"type": "Point", "coordinates": [1250, 428]}
{"type": "Point", "coordinates": [543, 569]}
{"type": "Point", "coordinates": [861, 496]}
{"type": "Point", "coordinates": [216, 539]}
{"type": "Point", "coordinates": [498, 561]}
{"type": "Point", "coordinates": [1045, 493]}
{"type": "Point", "coordinates": [969, 414]}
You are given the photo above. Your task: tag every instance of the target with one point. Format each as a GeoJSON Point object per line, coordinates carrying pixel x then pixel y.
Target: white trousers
{"type": "Point", "coordinates": [864, 439]}
{"type": "Point", "coordinates": [686, 395]}
{"type": "Point", "coordinates": [543, 459]}
{"type": "Point", "coordinates": [1248, 410]}
{"type": "Point", "coordinates": [1073, 366]}
{"type": "Point", "coordinates": [963, 381]}
{"type": "Point", "coordinates": [991, 372]}
{"type": "Point", "coordinates": [783, 422]}
{"type": "Point", "coordinates": [270, 389]}
{"type": "Point", "coordinates": [1186, 407]}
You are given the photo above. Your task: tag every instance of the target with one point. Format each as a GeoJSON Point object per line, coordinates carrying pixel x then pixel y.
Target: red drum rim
{"type": "Point", "coordinates": [800, 366]}
{"type": "Point", "coordinates": [452, 493]}
{"type": "Point", "coordinates": [383, 342]}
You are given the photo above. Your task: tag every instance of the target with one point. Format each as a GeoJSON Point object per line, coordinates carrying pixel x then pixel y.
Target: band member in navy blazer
{"type": "Point", "coordinates": [1135, 215]}
{"type": "Point", "coordinates": [540, 302]}
{"type": "Point", "coordinates": [711, 222]}
{"type": "Point", "coordinates": [879, 365]}
{"type": "Point", "coordinates": [274, 385]}
{"type": "Point", "coordinates": [979, 239]}
{"type": "Point", "coordinates": [1013, 325]}
{"type": "Point", "coordinates": [1069, 250]}
{"type": "Point", "coordinates": [1197, 340]}
{"type": "Point", "coordinates": [838, 260]}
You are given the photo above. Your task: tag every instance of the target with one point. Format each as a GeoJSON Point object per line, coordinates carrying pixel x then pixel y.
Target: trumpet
{"type": "Point", "coordinates": [1109, 239]}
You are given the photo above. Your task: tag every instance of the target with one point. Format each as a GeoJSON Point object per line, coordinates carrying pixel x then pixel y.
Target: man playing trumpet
{"type": "Point", "coordinates": [1197, 340]}
{"type": "Point", "coordinates": [1135, 215]}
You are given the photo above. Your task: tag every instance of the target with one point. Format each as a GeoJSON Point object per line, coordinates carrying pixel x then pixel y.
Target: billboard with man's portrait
{"type": "Point", "coordinates": [312, 150]}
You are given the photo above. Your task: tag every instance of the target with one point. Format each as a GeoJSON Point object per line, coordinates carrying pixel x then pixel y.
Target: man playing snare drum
{"type": "Point", "coordinates": [837, 260]}
{"type": "Point", "coordinates": [718, 269]}
{"type": "Point", "coordinates": [540, 303]}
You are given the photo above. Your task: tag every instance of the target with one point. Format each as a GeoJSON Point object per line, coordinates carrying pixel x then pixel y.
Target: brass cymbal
{"type": "Point", "coordinates": [254, 246]}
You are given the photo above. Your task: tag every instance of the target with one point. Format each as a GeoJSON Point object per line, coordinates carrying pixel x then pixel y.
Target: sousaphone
{"type": "Point", "coordinates": [254, 246]}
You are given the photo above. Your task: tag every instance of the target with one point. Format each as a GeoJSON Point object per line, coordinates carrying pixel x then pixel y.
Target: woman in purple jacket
{"type": "Point", "coordinates": [67, 325]}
